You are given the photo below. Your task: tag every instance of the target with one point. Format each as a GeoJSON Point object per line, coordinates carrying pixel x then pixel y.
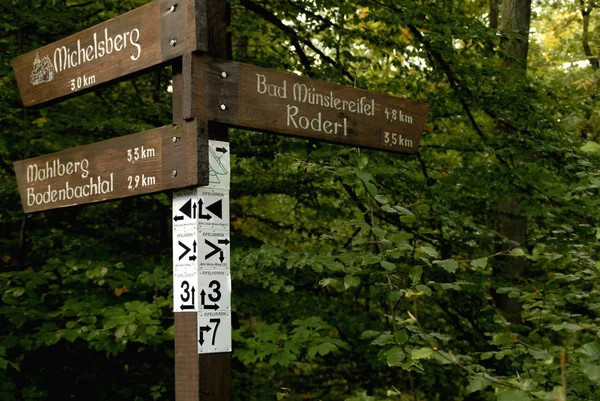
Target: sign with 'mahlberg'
{"type": "Point", "coordinates": [150, 161]}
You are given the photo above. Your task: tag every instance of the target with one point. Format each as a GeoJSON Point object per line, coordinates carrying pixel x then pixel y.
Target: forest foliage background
{"type": "Point", "coordinates": [466, 272]}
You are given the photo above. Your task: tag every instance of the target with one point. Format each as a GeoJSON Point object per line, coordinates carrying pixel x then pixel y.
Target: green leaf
{"type": "Point", "coordinates": [371, 259]}
{"type": "Point", "coordinates": [477, 384]}
{"type": "Point", "coordinates": [517, 252]}
{"type": "Point", "coordinates": [479, 263]}
{"type": "Point", "coordinates": [415, 273]}
{"type": "Point", "coordinates": [387, 265]}
{"type": "Point", "coordinates": [389, 209]}
{"type": "Point", "coordinates": [513, 395]}
{"type": "Point", "coordinates": [592, 371]}
{"type": "Point", "coordinates": [503, 339]}
{"type": "Point", "coordinates": [327, 281]}
{"type": "Point", "coordinates": [384, 339]}
{"type": "Point", "coordinates": [120, 332]}
{"type": "Point", "coordinates": [429, 251]}
{"type": "Point", "coordinates": [351, 281]}
{"type": "Point", "coordinates": [450, 265]}
{"type": "Point", "coordinates": [322, 349]}
{"type": "Point", "coordinates": [591, 147]}
{"type": "Point", "coordinates": [401, 337]}
{"type": "Point", "coordinates": [395, 356]}
{"type": "Point", "coordinates": [424, 289]}
{"type": "Point", "coordinates": [566, 326]}
{"type": "Point", "coordinates": [421, 353]}
{"type": "Point", "coordinates": [69, 335]}
{"type": "Point", "coordinates": [451, 286]}
{"type": "Point", "coordinates": [542, 355]}
{"type": "Point", "coordinates": [379, 232]}
{"type": "Point", "coordinates": [403, 210]}
{"type": "Point", "coordinates": [408, 219]}
{"type": "Point", "coordinates": [17, 292]}
{"type": "Point", "coordinates": [589, 352]}
{"type": "Point", "coordinates": [370, 334]}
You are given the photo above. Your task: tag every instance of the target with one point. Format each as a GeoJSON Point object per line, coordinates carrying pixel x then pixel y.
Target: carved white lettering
{"type": "Point", "coordinates": [102, 45]}
{"type": "Point", "coordinates": [273, 90]}
{"type": "Point", "coordinates": [118, 40]}
{"type": "Point", "coordinates": [315, 123]}
{"type": "Point", "coordinates": [96, 186]}
{"type": "Point", "coordinates": [56, 168]}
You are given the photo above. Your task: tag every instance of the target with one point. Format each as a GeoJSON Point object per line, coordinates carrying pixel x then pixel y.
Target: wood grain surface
{"type": "Point", "coordinates": [132, 42]}
{"type": "Point", "coordinates": [142, 163]}
{"type": "Point", "coordinates": [257, 98]}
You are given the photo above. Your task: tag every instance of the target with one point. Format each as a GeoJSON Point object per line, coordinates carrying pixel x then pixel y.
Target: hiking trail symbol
{"type": "Point", "coordinates": [219, 174]}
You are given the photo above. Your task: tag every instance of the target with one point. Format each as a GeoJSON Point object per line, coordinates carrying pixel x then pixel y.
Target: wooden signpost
{"type": "Point", "coordinates": [252, 97]}
{"type": "Point", "coordinates": [151, 161]}
{"type": "Point", "coordinates": [132, 42]}
{"type": "Point", "coordinates": [209, 94]}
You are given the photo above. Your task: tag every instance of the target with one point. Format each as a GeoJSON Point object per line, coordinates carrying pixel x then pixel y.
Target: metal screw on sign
{"type": "Point", "coordinates": [174, 173]}
{"type": "Point", "coordinates": [174, 139]}
{"type": "Point", "coordinates": [223, 106]}
{"type": "Point", "coordinates": [173, 8]}
{"type": "Point", "coordinates": [173, 42]}
{"type": "Point", "coordinates": [223, 74]}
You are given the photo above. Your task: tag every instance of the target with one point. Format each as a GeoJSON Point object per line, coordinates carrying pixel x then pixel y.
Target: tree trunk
{"type": "Point", "coordinates": [494, 14]}
{"type": "Point", "coordinates": [515, 22]}
{"type": "Point", "coordinates": [585, 35]}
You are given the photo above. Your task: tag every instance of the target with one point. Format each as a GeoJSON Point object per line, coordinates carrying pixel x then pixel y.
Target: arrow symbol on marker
{"type": "Point", "coordinates": [187, 208]}
{"type": "Point", "coordinates": [202, 299]}
{"type": "Point", "coordinates": [223, 241]}
{"type": "Point", "coordinates": [216, 208]}
{"type": "Point", "coordinates": [215, 250]}
{"type": "Point", "coordinates": [186, 248]}
{"type": "Point", "coordinates": [202, 330]}
{"type": "Point", "coordinates": [178, 218]}
{"type": "Point", "coordinates": [193, 258]}
{"type": "Point", "coordinates": [188, 307]}
{"type": "Point", "coordinates": [194, 211]}
{"type": "Point", "coordinates": [195, 244]}
{"type": "Point", "coordinates": [200, 215]}
{"type": "Point", "coordinates": [222, 150]}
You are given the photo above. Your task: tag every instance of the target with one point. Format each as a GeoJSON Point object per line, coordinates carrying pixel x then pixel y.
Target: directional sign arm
{"type": "Point", "coordinates": [111, 50]}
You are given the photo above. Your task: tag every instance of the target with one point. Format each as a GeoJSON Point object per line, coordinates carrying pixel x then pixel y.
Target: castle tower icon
{"type": "Point", "coordinates": [43, 70]}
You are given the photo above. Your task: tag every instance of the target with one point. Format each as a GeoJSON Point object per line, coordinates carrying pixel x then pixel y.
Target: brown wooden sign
{"type": "Point", "coordinates": [252, 97]}
{"type": "Point", "coordinates": [150, 161]}
{"type": "Point", "coordinates": [134, 41]}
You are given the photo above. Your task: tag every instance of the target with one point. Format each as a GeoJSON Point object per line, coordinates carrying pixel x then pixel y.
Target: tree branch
{"type": "Point", "coordinates": [295, 38]}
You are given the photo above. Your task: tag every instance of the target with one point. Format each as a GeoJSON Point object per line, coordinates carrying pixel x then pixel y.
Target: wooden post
{"type": "Point", "coordinates": [215, 369]}
{"type": "Point", "coordinates": [200, 377]}
{"type": "Point", "coordinates": [186, 355]}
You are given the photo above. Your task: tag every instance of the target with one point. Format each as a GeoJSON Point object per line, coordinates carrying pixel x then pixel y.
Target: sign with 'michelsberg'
{"type": "Point", "coordinates": [134, 41]}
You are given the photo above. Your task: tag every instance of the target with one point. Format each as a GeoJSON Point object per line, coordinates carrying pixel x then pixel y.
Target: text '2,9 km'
{"type": "Point", "coordinates": [150, 161]}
